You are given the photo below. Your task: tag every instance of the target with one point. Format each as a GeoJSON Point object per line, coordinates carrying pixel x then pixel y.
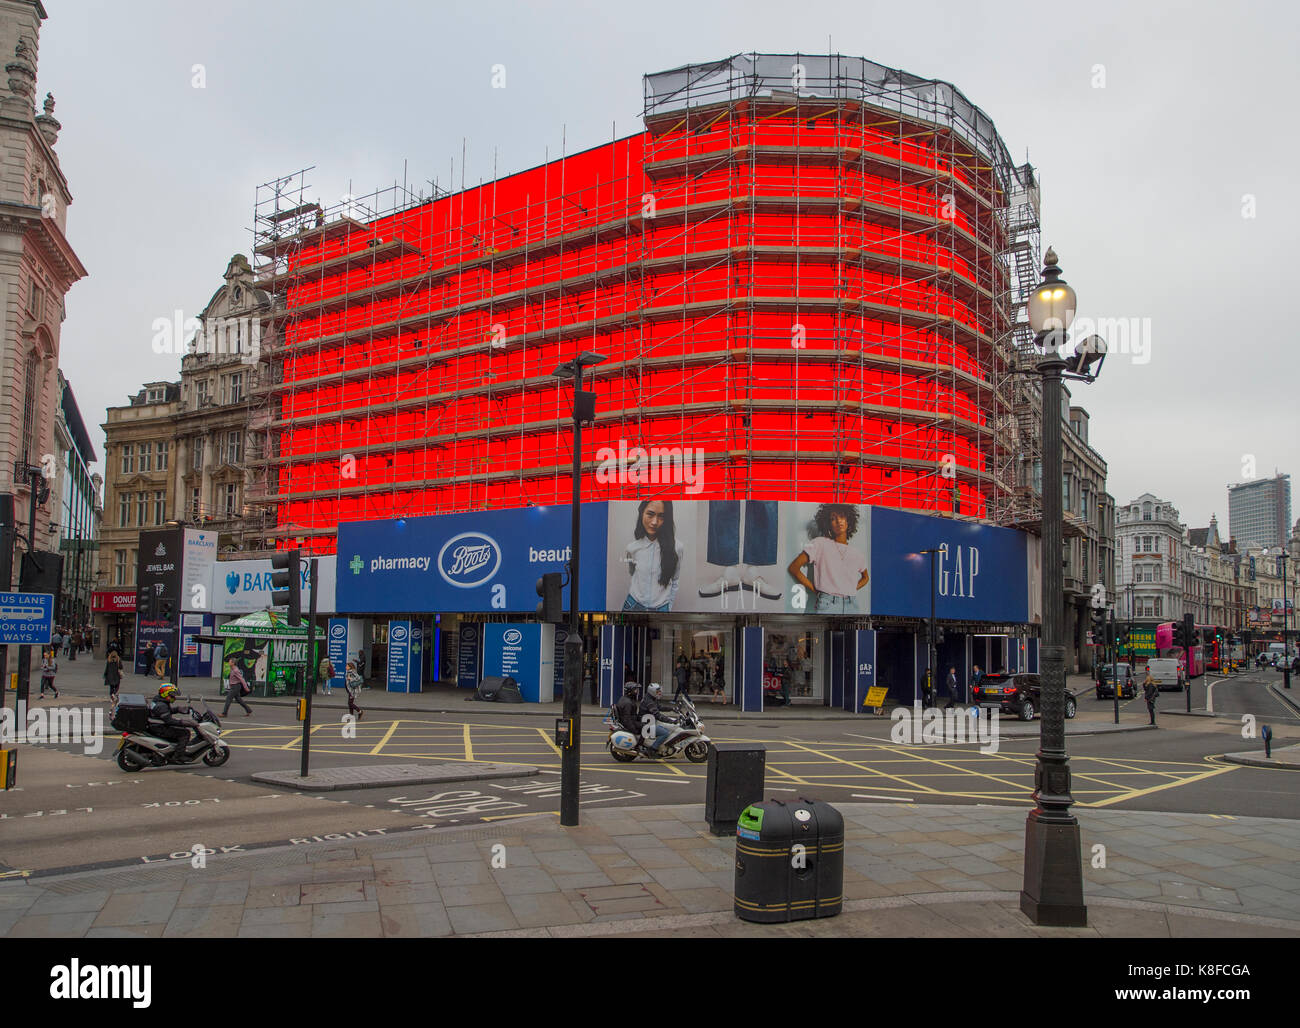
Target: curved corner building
{"type": "Point", "coordinates": [811, 268]}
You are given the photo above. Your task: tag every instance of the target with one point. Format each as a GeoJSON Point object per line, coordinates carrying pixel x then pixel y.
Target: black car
{"type": "Point", "coordinates": [1106, 681]}
{"type": "Point", "coordinates": [1016, 694]}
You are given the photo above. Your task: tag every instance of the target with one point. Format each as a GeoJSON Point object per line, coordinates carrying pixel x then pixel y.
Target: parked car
{"type": "Point", "coordinates": [1169, 672]}
{"type": "Point", "coordinates": [1106, 682]}
{"type": "Point", "coordinates": [1016, 694]}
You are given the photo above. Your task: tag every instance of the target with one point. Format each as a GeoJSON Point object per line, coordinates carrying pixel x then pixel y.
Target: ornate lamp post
{"type": "Point", "coordinates": [1053, 880]}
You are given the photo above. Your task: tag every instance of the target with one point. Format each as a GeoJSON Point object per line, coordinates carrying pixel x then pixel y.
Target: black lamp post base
{"type": "Point", "coordinates": [1053, 891]}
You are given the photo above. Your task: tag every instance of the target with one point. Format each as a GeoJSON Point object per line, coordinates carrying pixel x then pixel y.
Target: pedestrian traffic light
{"type": "Point", "coordinates": [549, 588]}
{"type": "Point", "coordinates": [1121, 636]}
{"type": "Point", "coordinates": [286, 584]}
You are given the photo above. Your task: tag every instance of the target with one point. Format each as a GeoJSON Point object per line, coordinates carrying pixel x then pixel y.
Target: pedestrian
{"type": "Point", "coordinates": [113, 675]}
{"type": "Point", "coordinates": [56, 640]}
{"type": "Point", "coordinates": [237, 688]}
{"type": "Point", "coordinates": [952, 689]}
{"type": "Point", "coordinates": [74, 644]}
{"type": "Point", "coordinates": [160, 660]}
{"type": "Point", "coordinates": [682, 678]}
{"type": "Point", "coordinates": [326, 673]}
{"type": "Point", "coordinates": [352, 682]}
{"type": "Point", "coordinates": [977, 679]}
{"type": "Point", "coordinates": [149, 658]}
{"type": "Point", "coordinates": [361, 667]}
{"type": "Point", "coordinates": [49, 668]}
{"type": "Point", "coordinates": [1149, 693]}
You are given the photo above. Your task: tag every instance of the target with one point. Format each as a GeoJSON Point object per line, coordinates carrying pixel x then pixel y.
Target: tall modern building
{"type": "Point", "coordinates": [1259, 512]}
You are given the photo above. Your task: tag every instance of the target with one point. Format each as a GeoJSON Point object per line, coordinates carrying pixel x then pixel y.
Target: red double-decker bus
{"type": "Point", "coordinates": [1193, 655]}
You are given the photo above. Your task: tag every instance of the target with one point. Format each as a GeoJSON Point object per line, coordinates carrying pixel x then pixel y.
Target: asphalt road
{"type": "Point", "coordinates": [74, 809]}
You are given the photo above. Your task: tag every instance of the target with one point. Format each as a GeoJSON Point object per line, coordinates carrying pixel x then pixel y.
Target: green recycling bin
{"type": "Point", "coordinates": [789, 861]}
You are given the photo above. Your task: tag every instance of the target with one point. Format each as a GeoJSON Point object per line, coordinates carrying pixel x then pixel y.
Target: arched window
{"type": "Point", "coordinates": [31, 403]}
{"type": "Point", "coordinates": [1146, 512]}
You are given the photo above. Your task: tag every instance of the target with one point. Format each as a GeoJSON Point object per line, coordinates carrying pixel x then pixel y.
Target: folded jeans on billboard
{"type": "Point", "coordinates": [724, 540]}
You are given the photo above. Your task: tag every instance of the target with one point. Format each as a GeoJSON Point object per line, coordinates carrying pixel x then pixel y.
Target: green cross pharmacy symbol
{"type": "Point", "coordinates": [356, 564]}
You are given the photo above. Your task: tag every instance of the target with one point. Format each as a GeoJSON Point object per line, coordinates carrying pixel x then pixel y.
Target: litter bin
{"type": "Point", "coordinates": [789, 861]}
{"type": "Point", "coordinates": [733, 780]}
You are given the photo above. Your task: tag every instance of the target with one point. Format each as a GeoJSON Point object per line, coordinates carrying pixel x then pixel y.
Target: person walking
{"type": "Point", "coordinates": [953, 698]}
{"type": "Point", "coordinates": [113, 675]}
{"type": "Point", "coordinates": [682, 679]}
{"type": "Point", "coordinates": [237, 688]}
{"type": "Point", "coordinates": [352, 682]}
{"type": "Point", "coordinates": [1149, 693]}
{"type": "Point", "coordinates": [325, 672]}
{"type": "Point", "coordinates": [56, 640]}
{"type": "Point", "coordinates": [49, 668]}
{"type": "Point", "coordinates": [160, 655]}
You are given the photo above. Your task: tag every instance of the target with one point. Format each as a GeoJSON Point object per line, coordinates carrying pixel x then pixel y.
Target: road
{"type": "Point", "coordinates": [74, 809]}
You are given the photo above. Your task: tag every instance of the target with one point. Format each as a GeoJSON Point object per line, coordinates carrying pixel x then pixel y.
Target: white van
{"type": "Point", "coordinates": [1276, 652]}
{"type": "Point", "coordinates": [1169, 672]}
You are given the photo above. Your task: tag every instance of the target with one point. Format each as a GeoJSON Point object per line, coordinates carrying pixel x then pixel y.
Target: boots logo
{"type": "Point", "coordinates": [469, 560]}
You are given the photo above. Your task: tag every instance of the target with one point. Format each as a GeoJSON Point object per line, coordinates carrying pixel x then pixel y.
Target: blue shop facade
{"type": "Point", "coordinates": [748, 602]}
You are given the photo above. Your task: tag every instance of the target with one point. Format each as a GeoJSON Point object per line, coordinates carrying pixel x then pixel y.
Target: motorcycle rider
{"type": "Point", "coordinates": [172, 727]}
{"type": "Point", "coordinates": [625, 710]}
{"type": "Point", "coordinates": [650, 706]}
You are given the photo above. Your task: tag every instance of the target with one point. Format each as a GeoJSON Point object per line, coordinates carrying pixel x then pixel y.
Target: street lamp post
{"type": "Point", "coordinates": [932, 649]}
{"type": "Point", "coordinates": [584, 409]}
{"type": "Point", "coordinates": [1053, 873]}
{"type": "Point", "coordinates": [1286, 622]}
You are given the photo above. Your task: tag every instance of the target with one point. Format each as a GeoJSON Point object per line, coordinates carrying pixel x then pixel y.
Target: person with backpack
{"type": "Point", "coordinates": [325, 672]}
{"type": "Point", "coordinates": [160, 655]}
{"type": "Point", "coordinates": [352, 682]}
{"type": "Point", "coordinates": [237, 688]}
{"type": "Point", "coordinates": [49, 668]}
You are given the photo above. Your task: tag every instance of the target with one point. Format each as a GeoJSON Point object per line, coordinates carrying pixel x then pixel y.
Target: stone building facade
{"type": "Point", "coordinates": [37, 268]}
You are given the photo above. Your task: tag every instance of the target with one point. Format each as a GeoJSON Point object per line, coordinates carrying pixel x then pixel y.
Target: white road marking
{"type": "Point", "coordinates": [892, 799]}
{"type": "Point", "coordinates": [672, 781]}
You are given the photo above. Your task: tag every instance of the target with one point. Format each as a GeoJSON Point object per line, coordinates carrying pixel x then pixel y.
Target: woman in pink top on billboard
{"type": "Point", "coordinates": [838, 569]}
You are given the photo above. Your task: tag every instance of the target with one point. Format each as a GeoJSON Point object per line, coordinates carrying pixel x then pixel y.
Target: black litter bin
{"type": "Point", "coordinates": [789, 861]}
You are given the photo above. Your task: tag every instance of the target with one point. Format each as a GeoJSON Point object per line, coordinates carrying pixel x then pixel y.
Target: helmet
{"type": "Point", "coordinates": [630, 688]}
{"type": "Point", "coordinates": [167, 692]}
{"type": "Point", "coordinates": [654, 690]}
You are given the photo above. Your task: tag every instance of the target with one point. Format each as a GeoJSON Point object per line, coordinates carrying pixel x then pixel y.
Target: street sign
{"type": "Point", "coordinates": [26, 618]}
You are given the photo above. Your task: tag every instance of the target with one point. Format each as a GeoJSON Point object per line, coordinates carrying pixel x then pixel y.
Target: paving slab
{"type": "Point", "coordinates": [379, 776]}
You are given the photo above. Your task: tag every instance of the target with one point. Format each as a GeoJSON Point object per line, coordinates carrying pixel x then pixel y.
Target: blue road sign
{"type": "Point", "coordinates": [26, 618]}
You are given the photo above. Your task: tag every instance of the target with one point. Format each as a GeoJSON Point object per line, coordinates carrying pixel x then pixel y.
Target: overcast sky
{"type": "Point", "coordinates": [1156, 128]}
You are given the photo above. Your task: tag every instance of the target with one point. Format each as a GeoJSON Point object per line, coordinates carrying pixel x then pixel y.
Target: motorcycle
{"type": "Point", "coordinates": [687, 737]}
{"type": "Point", "coordinates": [140, 748]}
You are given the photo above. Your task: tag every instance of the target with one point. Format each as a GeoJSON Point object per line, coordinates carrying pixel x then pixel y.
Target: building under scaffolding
{"type": "Point", "coordinates": [814, 269]}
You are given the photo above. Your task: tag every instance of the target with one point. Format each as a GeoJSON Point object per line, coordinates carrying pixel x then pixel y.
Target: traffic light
{"type": "Point", "coordinates": [1121, 636]}
{"type": "Point", "coordinates": [1180, 635]}
{"type": "Point", "coordinates": [1247, 637]}
{"type": "Point", "coordinates": [552, 606]}
{"type": "Point", "coordinates": [1195, 640]}
{"type": "Point", "coordinates": [1098, 624]}
{"type": "Point", "coordinates": [286, 584]}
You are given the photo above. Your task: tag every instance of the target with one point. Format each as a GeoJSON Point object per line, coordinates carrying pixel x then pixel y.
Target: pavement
{"type": "Point", "coordinates": [923, 871]}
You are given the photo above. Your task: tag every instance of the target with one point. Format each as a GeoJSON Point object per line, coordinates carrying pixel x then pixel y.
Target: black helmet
{"type": "Point", "coordinates": [630, 688]}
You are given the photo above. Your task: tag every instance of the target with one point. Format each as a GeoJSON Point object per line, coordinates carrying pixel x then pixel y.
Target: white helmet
{"type": "Point", "coordinates": [654, 689]}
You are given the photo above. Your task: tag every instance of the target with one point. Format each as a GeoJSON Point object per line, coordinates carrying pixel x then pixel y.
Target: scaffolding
{"type": "Point", "coordinates": [814, 268]}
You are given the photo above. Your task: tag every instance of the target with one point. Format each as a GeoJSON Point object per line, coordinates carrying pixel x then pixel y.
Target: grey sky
{"type": "Point", "coordinates": [1143, 179]}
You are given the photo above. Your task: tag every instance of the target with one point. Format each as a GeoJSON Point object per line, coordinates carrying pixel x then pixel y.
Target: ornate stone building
{"type": "Point", "coordinates": [1089, 532]}
{"type": "Point", "coordinates": [1149, 555]}
{"type": "Point", "coordinates": [37, 268]}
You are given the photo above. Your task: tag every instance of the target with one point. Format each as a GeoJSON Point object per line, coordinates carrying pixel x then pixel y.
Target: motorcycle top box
{"type": "Point", "coordinates": [132, 714]}
{"type": "Point", "coordinates": [789, 861]}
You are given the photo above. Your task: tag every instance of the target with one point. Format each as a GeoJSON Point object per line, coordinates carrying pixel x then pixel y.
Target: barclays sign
{"type": "Point", "coordinates": [241, 586]}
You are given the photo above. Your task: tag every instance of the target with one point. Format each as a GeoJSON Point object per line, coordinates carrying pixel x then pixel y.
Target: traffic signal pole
{"type": "Point", "coordinates": [312, 670]}
{"type": "Point", "coordinates": [1115, 683]}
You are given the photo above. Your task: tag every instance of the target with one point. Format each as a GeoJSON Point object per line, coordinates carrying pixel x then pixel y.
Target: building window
{"type": "Point", "coordinates": [1158, 572]}
{"type": "Point", "coordinates": [119, 567]}
{"type": "Point", "coordinates": [123, 509]}
{"type": "Point", "coordinates": [141, 508]}
{"type": "Point", "coordinates": [31, 401]}
{"type": "Point", "coordinates": [236, 384]}
{"type": "Point", "coordinates": [195, 506]}
{"type": "Point", "coordinates": [234, 447]}
{"type": "Point", "coordinates": [146, 456]}
{"type": "Point", "coordinates": [159, 507]}
{"type": "Point", "coordinates": [1146, 512]}
{"type": "Point", "coordinates": [1159, 607]}
{"type": "Point", "coordinates": [203, 392]}
{"type": "Point", "coordinates": [162, 455]}
{"type": "Point", "coordinates": [128, 459]}
{"type": "Point", "coordinates": [230, 499]}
